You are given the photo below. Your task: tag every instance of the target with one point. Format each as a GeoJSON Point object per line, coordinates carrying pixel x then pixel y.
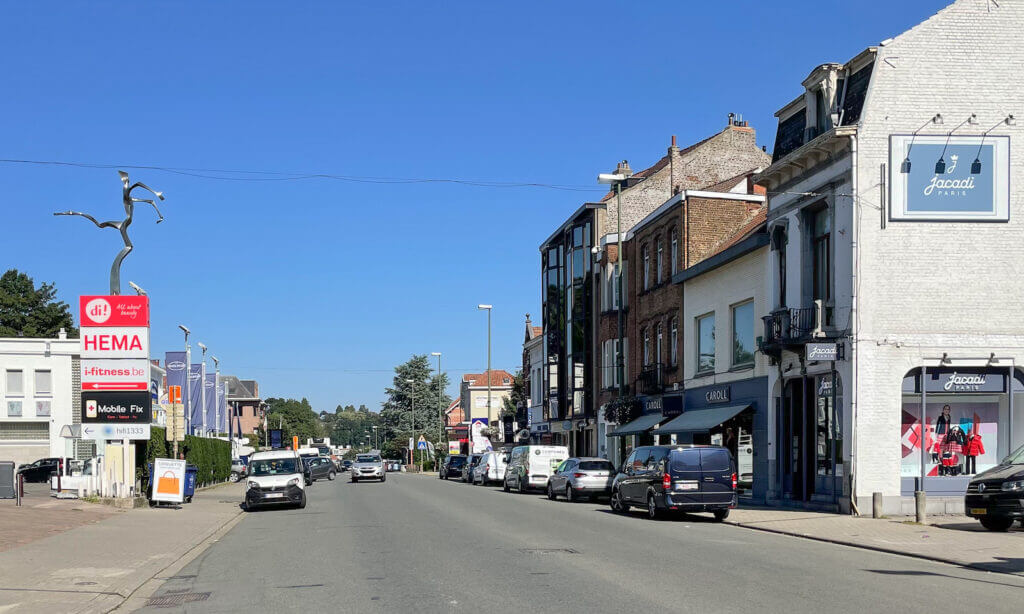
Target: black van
{"type": "Point", "coordinates": [996, 496]}
{"type": "Point", "coordinates": [682, 478]}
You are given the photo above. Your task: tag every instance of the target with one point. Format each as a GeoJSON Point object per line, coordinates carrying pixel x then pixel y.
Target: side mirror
{"type": "Point", "coordinates": [505, 458]}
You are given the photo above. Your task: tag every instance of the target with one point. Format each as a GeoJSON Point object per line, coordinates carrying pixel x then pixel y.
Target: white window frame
{"type": "Point", "coordinates": [753, 340]}
{"type": "Point", "coordinates": [647, 346]}
{"type": "Point", "coordinates": [675, 252]}
{"type": "Point", "coordinates": [659, 260]}
{"type": "Point", "coordinates": [35, 383]}
{"type": "Point", "coordinates": [659, 339]}
{"type": "Point", "coordinates": [697, 366]}
{"type": "Point", "coordinates": [7, 383]}
{"type": "Point", "coordinates": [647, 266]}
{"type": "Point", "coordinates": [673, 341]}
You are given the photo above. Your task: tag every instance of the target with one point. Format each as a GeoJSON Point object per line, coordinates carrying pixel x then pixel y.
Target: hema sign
{"type": "Point", "coordinates": [949, 178]}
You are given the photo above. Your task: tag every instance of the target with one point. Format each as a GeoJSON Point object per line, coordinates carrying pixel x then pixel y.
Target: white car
{"type": "Point", "coordinates": [490, 468]}
{"type": "Point", "coordinates": [368, 467]}
{"type": "Point", "coordinates": [532, 466]}
{"type": "Point", "coordinates": [275, 478]}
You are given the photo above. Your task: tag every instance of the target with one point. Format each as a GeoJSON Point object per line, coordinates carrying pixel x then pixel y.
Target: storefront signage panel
{"type": "Point", "coordinates": [721, 394]}
{"type": "Point", "coordinates": [957, 381]}
{"type": "Point", "coordinates": [822, 351]}
{"type": "Point", "coordinates": [949, 178]}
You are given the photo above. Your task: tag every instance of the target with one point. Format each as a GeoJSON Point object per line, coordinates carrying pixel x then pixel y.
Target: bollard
{"type": "Point", "coordinates": [876, 505]}
{"type": "Point", "coordinates": [919, 503]}
{"type": "Point", "coordinates": [19, 489]}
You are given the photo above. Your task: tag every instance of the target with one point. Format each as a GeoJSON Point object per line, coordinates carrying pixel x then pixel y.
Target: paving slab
{"type": "Point", "coordinates": [41, 516]}
{"type": "Point", "coordinates": [95, 567]}
{"type": "Point", "coordinates": [950, 539]}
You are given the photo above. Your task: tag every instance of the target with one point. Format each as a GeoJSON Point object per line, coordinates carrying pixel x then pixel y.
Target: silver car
{"type": "Point", "coordinates": [582, 477]}
{"type": "Point", "coordinates": [368, 467]}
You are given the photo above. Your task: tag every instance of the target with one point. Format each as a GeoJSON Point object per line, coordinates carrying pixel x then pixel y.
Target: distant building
{"type": "Point", "coordinates": [533, 383]}
{"type": "Point", "coordinates": [473, 396]}
{"type": "Point", "coordinates": [243, 399]}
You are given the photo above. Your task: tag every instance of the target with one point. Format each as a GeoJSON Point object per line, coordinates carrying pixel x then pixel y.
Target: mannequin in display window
{"type": "Point", "coordinates": [941, 428]}
{"type": "Point", "coordinates": [973, 448]}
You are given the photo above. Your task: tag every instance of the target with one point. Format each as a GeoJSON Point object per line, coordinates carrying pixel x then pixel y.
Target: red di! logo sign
{"type": "Point", "coordinates": [114, 310]}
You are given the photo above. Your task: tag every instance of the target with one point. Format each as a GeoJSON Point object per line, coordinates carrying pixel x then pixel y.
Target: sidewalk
{"type": "Point", "coordinates": [950, 539]}
{"type": "Point", "coordinates": [41, 515]}
{"type": "Point", "coordinates": [95, 567]}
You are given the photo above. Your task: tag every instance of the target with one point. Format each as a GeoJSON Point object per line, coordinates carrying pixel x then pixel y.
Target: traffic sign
{"type": "Point", "coordinates": [422, 443]}
{"type": "Point", "coordinates": [174, 394]}
{"type": "Point", "coordinates": [115, 431]}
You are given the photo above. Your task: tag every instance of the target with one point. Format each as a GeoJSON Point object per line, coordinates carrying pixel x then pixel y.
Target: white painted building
{"type": "Point", "coordinates": [896, 219]}
{"type": "Point", "coordinates": [39, 382]}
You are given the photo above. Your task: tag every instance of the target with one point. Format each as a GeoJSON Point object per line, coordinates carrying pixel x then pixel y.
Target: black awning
{"type": "Point", "coordinates": [640, 425]}
{"type": "Point", "coordinates": [701, 420]}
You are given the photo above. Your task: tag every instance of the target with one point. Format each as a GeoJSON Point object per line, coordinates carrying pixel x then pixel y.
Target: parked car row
{"type": "Point", "coordinates": [659, 479]}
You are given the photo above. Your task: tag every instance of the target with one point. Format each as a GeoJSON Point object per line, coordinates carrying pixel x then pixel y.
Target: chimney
{"type": "Point", "coordinates": [623, 169]}
{"type": "Point", "coordinates": [62, 334]}
{"type": "Point", "coordinates": [731, 118]}
{"type": "Point", "coordinates": [672, 148]}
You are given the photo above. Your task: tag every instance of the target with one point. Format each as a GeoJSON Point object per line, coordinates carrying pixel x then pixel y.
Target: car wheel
{"type": "Point", "coordinates": [721, 515]}
{"type": "Point", "coordinates": [302, 502]}
{"type": "Point", "coordinates": [997, 524]}
{"type": "Point", "coordinates": [330, 476]}
{"type": "Point", "coordinates": [652, 508]}
{"type": "Point", "coordinates": [617, 504]}
{"type": "Point", "coordinates": [354, 479]}
{"type": "Point", "coordinates": [383, 478]}
{"type": "Point", "coordinates": [551, 492]}
{"type": "Point", "coordinates": [569, 497]}
{"type": "Point", "coordinates": [504, 486]}
{"type": "Point", "coordinates": [519, 486]}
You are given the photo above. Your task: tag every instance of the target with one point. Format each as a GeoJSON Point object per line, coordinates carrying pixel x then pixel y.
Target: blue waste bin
{"type": "Point", "coordinates": [191, 471]}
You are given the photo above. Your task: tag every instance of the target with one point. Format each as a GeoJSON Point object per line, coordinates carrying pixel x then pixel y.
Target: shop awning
{"type": "Point", "coordinates": [701, 420]}
{"type": "Point", "coordinates": [640, 425]}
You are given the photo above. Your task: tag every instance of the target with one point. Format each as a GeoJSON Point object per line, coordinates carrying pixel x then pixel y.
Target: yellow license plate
{"type": "Point", "coordinates": [979, 511]}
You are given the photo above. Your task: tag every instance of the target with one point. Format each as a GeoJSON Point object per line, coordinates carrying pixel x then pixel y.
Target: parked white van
{"type": "Point", "coordinates": [276, 478]}
{"type": "Point", "coordinates": [491, 468]}
{"type": "Point", "coordinates": [531, 466]}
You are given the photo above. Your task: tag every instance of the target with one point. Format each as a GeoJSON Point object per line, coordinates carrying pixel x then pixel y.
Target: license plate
{"type": "Point", "coordinates": [980, 511]}
{"type": "Point", "coordinates": [687, 485]}
{"type": "Point", "coordinates": [272, 495]}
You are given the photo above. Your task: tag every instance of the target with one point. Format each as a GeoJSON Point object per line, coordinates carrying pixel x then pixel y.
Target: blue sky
{"type": "Point", "coordinates": [319, 287]}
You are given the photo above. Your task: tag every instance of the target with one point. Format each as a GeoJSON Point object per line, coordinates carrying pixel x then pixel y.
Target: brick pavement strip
{"type": "Point", "coordinates": [41, 516]}
{"type": "Point", "coordinates": [95, 567]}
{"type": "Point", "coordinates": [950, 539]}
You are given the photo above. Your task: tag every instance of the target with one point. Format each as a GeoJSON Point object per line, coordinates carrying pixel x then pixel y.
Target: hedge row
{"type": "Point", "coordinates": [211, 456]}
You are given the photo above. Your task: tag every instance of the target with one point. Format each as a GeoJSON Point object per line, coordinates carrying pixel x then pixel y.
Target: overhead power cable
{"type": "Point", "coordinates": [259, 175]}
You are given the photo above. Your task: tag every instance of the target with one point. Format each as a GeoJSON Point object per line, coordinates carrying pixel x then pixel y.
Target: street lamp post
{"type": "Point", "coordinates": [488, 376]}
{"type": "Point", "coordinates": [202, 386]}
{"type": "Point", "coordinates": [188, 384]}
{"type": "Point", "coordinates": [216, 397]}
{"type": "Point", "coordinates": [376, 445]}
{"type": "Point", "coordinates": [440, 403]}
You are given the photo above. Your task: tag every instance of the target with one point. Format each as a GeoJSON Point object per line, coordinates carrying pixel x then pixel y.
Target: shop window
{"type": "Point", "coordinates": [743, 334]}
{"type": "Point", "coordinates": [966, 422]}
{"type": "Point", "coordinates": [706, 343]}
{"type": "Point", "coordinates": [828, 425]}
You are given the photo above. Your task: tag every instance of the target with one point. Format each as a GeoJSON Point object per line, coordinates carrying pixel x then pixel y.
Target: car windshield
{"type": "Point", "coordinates": [273, 466]}
{"type": "Point", "coordinates": [595, 466]}
{"type": "Point", "coordinates": [457, 461]}
{"type": "Point", "coordinates": [367, 459]}
{"type": "Point", "coordinates": [1016, 457]}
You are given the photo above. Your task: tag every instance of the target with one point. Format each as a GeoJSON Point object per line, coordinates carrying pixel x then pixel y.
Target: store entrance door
{"type": "Point", "coordinates": [797, 430]}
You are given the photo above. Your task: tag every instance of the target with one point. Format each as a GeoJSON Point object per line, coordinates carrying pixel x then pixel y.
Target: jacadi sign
{"type": "Point", "coordinates": [949, 178]}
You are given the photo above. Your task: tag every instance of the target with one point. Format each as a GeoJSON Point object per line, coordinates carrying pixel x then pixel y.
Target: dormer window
{"type": "Point", "coordinates": [821, 111]}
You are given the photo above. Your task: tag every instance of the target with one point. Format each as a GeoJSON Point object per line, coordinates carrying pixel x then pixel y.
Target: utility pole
{"type": "Point", "coordinates": [202, 386]}
{"type": "Point", "coordinates": [216, 397]}
{"type": "Point", "coordinates": [188, 382]}
{"type": "Point", "coordinates": [488, 376]}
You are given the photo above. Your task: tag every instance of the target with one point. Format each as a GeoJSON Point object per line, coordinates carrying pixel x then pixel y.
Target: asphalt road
{"type": "Point", "coordinates": [417, 543]}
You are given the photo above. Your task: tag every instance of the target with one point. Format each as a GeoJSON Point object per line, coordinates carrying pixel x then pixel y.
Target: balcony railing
{"type": "Point", "coordinates": [795, 326]}
{"type": "Point", "coordinates": [652, 379]}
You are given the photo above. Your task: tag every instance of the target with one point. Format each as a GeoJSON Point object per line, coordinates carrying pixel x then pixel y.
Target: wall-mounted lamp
{"type": "Point", "coordinates": [992, 359]}
{"type": "Point", "coordinates": [905, 165]}
{"type": "Point", "coordinates": [940, 165]}
{"type": "Point", "coordinates": [976, 165]}
{"type": "Point", "coordinates": [1010, 120]}
{"type": "Point", "coordinates": [945, 359]}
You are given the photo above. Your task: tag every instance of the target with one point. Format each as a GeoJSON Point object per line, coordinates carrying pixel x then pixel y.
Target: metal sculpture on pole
{"type": "Point", "coordinates": [122, 226]}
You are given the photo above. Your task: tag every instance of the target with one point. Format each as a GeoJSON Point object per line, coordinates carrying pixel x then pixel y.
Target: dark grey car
{"type": "Point", "coordinates": [320, 467]}
{"type": "Point", "coordinates": [683, 478]}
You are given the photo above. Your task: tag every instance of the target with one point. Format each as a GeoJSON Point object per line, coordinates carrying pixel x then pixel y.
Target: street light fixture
{"type": "Point", "coordinates": [488, 308]}
{"type": "Point", "coordinates": [376, 445]}
{"type": "Point", "coordinates": [137, 289]}
{"type": "Point", "coordinates": [216, 396]}
{"type": "Point", "coordinates": [617, 179]}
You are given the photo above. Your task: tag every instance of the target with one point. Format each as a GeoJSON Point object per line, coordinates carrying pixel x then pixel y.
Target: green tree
{"type": "Point", "coordinates": [426, 392]}
{"type": "Point", "coordinates": [27, 311]}
{"type": "Point", "coordinates": [296, 418]}
{"type": "Point", "coordinates": [350, 427]}
{"type": "Point", "coordinates": [516, 398]}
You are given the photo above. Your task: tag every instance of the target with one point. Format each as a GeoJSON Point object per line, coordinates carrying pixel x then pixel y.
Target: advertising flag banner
{"type": "Point", "coordinates": [480, 443]}
{"type": "Point", "coordinates": [168, 480]}
{"type": "Point", "coordinates": [222, 405]}
{"type": "Point", "coordinates": [210, 390]}
{"type": "Point", "coordinates": [174, 363]}
{"type": "Point", "coordinates": [114, 310]}
{"type": "Point", "coordinates": [195, 403]}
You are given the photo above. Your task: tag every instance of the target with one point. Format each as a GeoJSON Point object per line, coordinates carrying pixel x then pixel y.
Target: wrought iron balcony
{"type": "Point", "coordinates": [789, 327]}
{"type": "Point", "coordinates": [651, 379]}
